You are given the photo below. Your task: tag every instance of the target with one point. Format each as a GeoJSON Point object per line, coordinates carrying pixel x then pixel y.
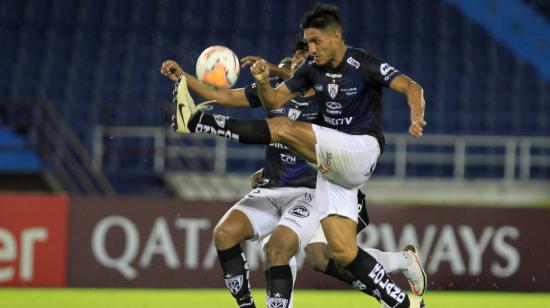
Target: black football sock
{"type": "Point", "coordinates": [332, 270]}
{"type": "Point", "coordinates": [267, 283]}
{"type": "Point", "coordinates": [280, 286]}
{"type": "Point", "coordinates": [376, 281]}
{"type": "Point", "coordinates": [239, 130]}
{"type": "Point", "coordinates": [236, 275]}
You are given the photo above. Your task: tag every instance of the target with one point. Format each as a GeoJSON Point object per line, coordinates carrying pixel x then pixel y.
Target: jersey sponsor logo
{"type": "Point", "coordinates": [349, 91]}
{"type": "Point", "coordinates": [301, 104]}
{"type": "Point", "coordinates": [288, 159]}
{"type": "Point", "coordinates": [351, 61]}
{"type": "Point", "coordinates": [299, 211]}
{"type": "Point", "coordinates": [337, 121]}
{"type": "Point", "coordinates": [220, 120]}
{"type": "Point", "coordinates": [234, 284]}
{"type": "Point", "coordinates": [387, 71]}
{"type": "Point", "coordinates": [333, 75]}
{"type": "Point", "coordinates": [332, 89]}
{"type": "Point", "coordinates": [276, 302]}
{"type": "Point", "coordinates": [385, 68]}
{"type": "Point", "coordinates": [318, 87]}
{"type": "Point", "coordinates": [293, 114]}
{"type": "Point", "coordinates": [278, 145]}
{"type": "Point", "coordinates": [207, 129]}
{"type": "Point", "coordinates": [333, 105]}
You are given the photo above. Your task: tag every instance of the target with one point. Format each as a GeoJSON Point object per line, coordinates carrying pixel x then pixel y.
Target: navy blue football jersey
{"type": "Point", "coordinates": [349, 94]}
{"type": "Point", "coordinates": [283, 168]}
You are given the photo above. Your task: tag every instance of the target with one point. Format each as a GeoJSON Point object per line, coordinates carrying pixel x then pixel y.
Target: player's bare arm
{"type": "Point", "coordinates": [274, 69]}
{"type": "Point", "coordinates": [271, 98]}
{"type": "Point", "coordinates": [222, 97]}
{"type": "Point", "coordinates": [415, 98]}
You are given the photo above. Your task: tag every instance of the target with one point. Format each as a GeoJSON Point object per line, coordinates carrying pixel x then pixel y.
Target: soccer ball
{"type": "Point", "coordinates": [218, 66]}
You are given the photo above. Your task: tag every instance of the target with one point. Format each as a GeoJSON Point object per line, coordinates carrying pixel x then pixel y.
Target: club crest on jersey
{"type": "Point", "coordinates": [294, 114]}
{"type": "Point", "coordinates": [332, 89]}
{"type": "Point", "coordinates": [234, 284]}
{"type": "Point", "coordinates": [276, 302]}
{"type": "Point", "coordinates": [220, 120]}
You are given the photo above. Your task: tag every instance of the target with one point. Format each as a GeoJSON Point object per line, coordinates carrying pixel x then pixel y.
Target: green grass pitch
{"type": "Point", "coordinates": [219, 298]}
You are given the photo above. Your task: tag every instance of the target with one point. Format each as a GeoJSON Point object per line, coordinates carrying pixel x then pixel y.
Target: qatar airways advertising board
{"type": "Point", "coordinates": [168, 243]}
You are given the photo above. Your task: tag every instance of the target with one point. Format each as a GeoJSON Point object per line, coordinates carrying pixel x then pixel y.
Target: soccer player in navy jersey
{"type": "Point", "coordinates": [284, 176]}
{"type": "Point", "coordinates": [344, 147]}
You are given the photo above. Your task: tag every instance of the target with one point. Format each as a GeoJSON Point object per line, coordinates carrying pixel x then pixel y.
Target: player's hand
{"type": "Point", "coordinates": [260, 70]}
{"type": "Point", "coordinates": [255, 177]}
{"type": "Point", "coordinates": [416, 128]}
{"type": "Point", "coordinates": [171, 69]}
{"type": "Point", "coordinates": [249, 60]}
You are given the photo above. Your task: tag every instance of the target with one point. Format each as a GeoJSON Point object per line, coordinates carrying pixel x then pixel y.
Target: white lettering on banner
{"type": "Point", "coordinates": [192, 227]}
{"type": "Point", "coordinates": [475, 250]}
{"type": "Point", "coordinates": [444, 246]}
{"type": "Point", "coordinates": [506, 251]}
{"type": "Point", "coordinates": [160, 242]}
{"type": "Point", "coordinates": [28, 239]}
{"type": "Point", "coordinates": [446, 249]}
{"type": "Point", "coordinates": [8, 253]}
{"type": "Point", "coordinates": [131, 235]}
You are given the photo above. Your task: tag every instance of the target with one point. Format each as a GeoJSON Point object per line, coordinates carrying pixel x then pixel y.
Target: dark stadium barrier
{"type": "Point", "coordinates": [147, 242]}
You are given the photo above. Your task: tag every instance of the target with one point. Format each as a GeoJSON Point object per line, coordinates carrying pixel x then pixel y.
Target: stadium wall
{"type": "Point", "coordinates": [147, 242]}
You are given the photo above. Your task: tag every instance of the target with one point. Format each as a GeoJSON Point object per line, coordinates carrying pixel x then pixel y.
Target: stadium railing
{"type": "Point", "coordinates": [459, 157]}
{"type": "Point", "coordinates": [65, 156]}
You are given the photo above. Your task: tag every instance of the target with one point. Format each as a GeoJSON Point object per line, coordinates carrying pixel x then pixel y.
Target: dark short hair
{"type": "Point", "coordinates": [321, 17]}
{"type": "Point", "coordinates": [299, 44]}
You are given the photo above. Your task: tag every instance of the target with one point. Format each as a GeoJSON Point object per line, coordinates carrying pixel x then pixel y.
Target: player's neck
{"type": "Point", "coordinates": [338, 56]}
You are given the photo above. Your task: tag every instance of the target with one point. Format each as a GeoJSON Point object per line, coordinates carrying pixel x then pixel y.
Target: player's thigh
{"type": "Point", "coordinates": [334, 199]}
{"type": "Point", "coordinates": [345, 159]}
{"type": "Point", "coordinates": [296, 135]}
{"type": "Point", "coordinates": [340, 233]}
{"type": "Point", "coordinates": [283, 244]}
{"type": "Point", "coordinates": [255, 214]}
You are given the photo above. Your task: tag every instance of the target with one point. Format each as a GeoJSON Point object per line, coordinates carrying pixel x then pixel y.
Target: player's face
{"type": "Point", "coordinates": [297, 59]}
{"type": "Point", "coordinates": [322, 44]}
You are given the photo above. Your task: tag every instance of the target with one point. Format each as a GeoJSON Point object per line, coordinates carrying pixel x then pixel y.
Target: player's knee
{"type": "Point", "coordinates": [317, 257]}
{"type": "Point", "coordinates": [224, 236]}
{"type": "Point", "coordinates": [277, 254]}
{"type": "Point", "coordinates": [280, 128]}
{"type": "Point", "coordinates": [343, 255]}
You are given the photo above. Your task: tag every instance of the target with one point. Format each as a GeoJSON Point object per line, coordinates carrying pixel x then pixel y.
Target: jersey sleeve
{"type": "Point", "coordinates": [251, 92]}
{"type": "Point", "coordinates": [252, 96]}
{"type": "Point", "coordinates": [300, 80]}
{"type": "Point", "coordinates": [378, 71]}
